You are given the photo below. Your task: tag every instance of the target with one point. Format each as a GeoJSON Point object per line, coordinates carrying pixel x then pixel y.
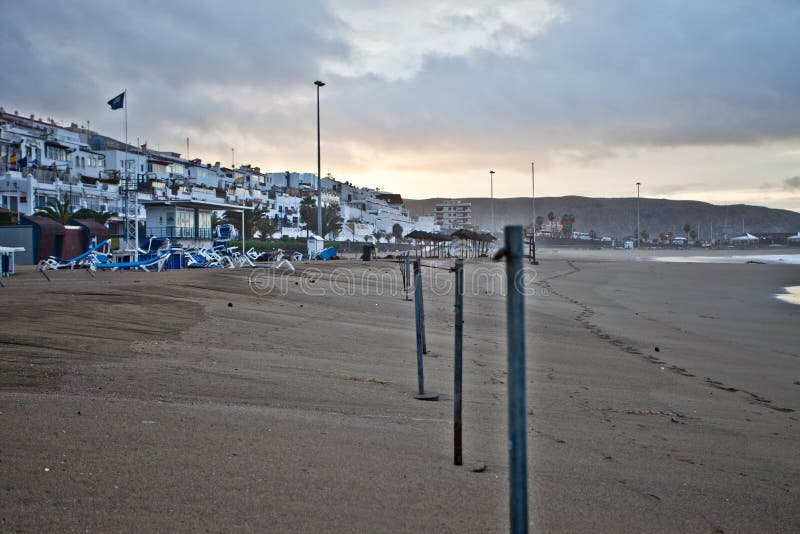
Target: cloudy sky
{"type": "Point", "coordinates": [695, 99]}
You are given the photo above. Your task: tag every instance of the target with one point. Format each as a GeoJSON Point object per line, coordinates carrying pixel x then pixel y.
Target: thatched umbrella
{"type": "Point", "coordinates": [417, 236]}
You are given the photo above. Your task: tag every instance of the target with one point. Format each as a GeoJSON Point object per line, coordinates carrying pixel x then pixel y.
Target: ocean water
{"type": "Point", "coordinates": [791, 296]}
{"type": "Point", "coordinates": [779, 259]}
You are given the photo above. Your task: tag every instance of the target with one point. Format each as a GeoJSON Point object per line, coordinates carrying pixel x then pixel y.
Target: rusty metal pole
{"type": "Point", "coordinates": [458, 365]}
{"type": "Point", "coordinates": [517, 443]}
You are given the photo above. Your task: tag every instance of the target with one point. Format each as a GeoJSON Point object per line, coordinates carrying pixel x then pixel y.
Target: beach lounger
{"type": "Point", "coordinates": [210, 258]}
{"type": "Point", "coordinates": [279, 262]}
{"type": "Point", "coordinates": [144, 265]}
{"type": "Point", "coordinates": [55, 263]}
{"type": "Point", "coordinates": [253, 255]}
{"type": "Point", "coordinates": [194, 260]}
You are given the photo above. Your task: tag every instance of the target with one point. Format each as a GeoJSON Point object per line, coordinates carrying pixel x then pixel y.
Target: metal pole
{"type": "Point", "coordinates": [418, 311]}
{"type": "Point", "coordinates": [458, 364]}
{"type": "Point", "coordinates": [126, 221]}
{"type": "Point", "coordinates": [233, 179]}
{"type": "Point", "coordinates": [491, 191]}
{"type": "Point", "coordinates": [319, 168]}
{"type": "Point", "coordinates": [407, 274]}
{"type": "Point", "coordinates": [638, 241]}
{"type": "Point", "coordinates": [517, 447]}
{"type": "Point", "coordinates": [533, 199]}
{"type": "Point", "coordinates": [422, 313]}
{"type": "Point", "coordinates": [533, 208]}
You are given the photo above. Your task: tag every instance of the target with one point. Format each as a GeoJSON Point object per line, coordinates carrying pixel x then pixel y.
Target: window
{"type": "Point", "coordinates": [204, 222]}
{"type": "Point", "coordinates": [184, 218]}
{"type": "Point", "coordinates": [156, 167]}
{"type": "Point", "coordinates": [56, 153]}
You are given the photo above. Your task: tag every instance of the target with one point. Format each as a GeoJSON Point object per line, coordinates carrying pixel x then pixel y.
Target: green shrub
{"type": "Point", "coordinates": [6, 217]}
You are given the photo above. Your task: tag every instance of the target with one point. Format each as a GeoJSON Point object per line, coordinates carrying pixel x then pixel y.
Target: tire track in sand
{"type": "Point", "coordinates": [584, 319]}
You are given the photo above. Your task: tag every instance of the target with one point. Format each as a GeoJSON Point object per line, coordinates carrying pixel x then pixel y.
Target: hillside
{"type": "Point", "coordinates": [616, 217]}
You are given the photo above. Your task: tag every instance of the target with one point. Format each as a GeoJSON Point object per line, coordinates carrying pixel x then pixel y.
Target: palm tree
{"type": "Point", "coordinates": [567, 221]}
{"type": "Point", "coordinates": [84, 213]}
{"type": "Point", "coordinates": [57, 211]}
{"type": "Point", "coordinates": [266, 227]}
{"type": "Point", "coordinates": [551, 217]}
{"type": "Point", "coordinates": [308, 211]}
{"type": "Point", "coordinates": [99, 216]}
{"type": "Point", "coordinates": [215, 220]}
{"type": "Point", "coordinates": [686, 229]}
{"type": "Point", "coordinates": [644, 234]}
{"type": "Point", "coordinates": [540, 222]}
{"type": "Point", "coordinates": [331, 220]}
{"type": "Point", "coordinates": [103, 216]}
{"type": "Point", "coordinates": [693, 235]}
{"type": "Point", "coordinates": [592, 234]}
{"type": "Point", "coordinates": [397, 232]}
{"type": "Point", "coordinates": [251, 217]}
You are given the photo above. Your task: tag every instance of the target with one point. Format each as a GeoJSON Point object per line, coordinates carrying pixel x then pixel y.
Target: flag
{"type": "Point", "coordinates": [118, 101]}
{"type": "Point", "coordinates": [23, 162]}
{"type": "Point", "coordinates": [144, 146]}
{"type": "Point", "coordinates": [13, 159]}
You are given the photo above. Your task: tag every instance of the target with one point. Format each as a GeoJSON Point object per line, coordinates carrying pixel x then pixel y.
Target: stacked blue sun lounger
{"type": "Point", "coordinates": [143, 265]}
{"type": "Point", "coordinates": [55, 263]}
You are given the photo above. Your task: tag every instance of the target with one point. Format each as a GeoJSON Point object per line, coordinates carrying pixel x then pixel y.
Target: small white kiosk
{"type": "Point", "coordinates": [315, 245]}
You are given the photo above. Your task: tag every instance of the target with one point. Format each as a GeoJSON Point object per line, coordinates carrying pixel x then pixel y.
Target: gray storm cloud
{"type": "Point", "coordinates": [445, 81]}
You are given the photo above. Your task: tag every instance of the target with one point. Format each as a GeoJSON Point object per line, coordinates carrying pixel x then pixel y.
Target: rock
{"type": "Point", "coordinates": [478, 468]}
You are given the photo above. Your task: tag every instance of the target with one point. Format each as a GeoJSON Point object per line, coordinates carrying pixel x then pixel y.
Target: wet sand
{"type": "Point", "coordinates": [187, 401]}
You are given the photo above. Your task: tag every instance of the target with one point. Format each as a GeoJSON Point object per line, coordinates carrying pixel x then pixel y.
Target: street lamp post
{"type": "Point", "coordinates": [533, 216]}
{"type": "Point", "coordinates": [319, 168]}
{"type": "Point", "coordinates": [638, 237]}
{"type": "Point", "coordinates": [491, 206]}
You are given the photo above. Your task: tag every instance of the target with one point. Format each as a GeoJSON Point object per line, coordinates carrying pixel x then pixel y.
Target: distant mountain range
{"type": "Point", "coordinates": [616, 217]}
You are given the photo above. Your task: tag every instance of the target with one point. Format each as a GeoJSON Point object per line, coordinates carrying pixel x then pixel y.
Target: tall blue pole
{"type": "Point", "coordinates": [418, 319]}
{"type": "Point", "coordinates": [517, 443]}
{"type": "Point", "coordinates": [319, 168]}
{"type": "Point", "coordinates": [458, 362]}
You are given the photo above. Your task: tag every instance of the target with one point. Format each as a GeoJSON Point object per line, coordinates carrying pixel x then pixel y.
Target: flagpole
{"type": "Point", "coordinates": [125, 174]}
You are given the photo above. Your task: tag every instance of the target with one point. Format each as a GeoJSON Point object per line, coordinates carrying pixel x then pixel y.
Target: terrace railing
{"type": "Point", "coordinates": [180, 231]}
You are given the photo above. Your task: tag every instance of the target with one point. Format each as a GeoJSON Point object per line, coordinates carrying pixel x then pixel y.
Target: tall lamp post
{"type": "Point", "coordinates": [319, 168]}
{"type": "Point", "coordinates": [638, 238]}
{"type": "Point", "coordinates": [491, 206]}
{"type": "Point", "coordinates": [533, 216]}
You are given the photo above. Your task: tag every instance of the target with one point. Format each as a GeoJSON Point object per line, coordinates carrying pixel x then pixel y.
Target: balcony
{"type": "Point", "coordinates": [180, 231]}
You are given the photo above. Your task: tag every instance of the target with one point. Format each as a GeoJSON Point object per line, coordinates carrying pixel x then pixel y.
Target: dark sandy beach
{"type": "Point", "coordinates": [661, 398]}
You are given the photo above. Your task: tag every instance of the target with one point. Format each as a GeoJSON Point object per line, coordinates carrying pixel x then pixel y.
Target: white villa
{"type": "Point", "coordinates": [42, 161]}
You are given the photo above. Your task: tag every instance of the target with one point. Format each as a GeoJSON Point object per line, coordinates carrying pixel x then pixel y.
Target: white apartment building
{"type": "Point", "coordinates": [453, 214]}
